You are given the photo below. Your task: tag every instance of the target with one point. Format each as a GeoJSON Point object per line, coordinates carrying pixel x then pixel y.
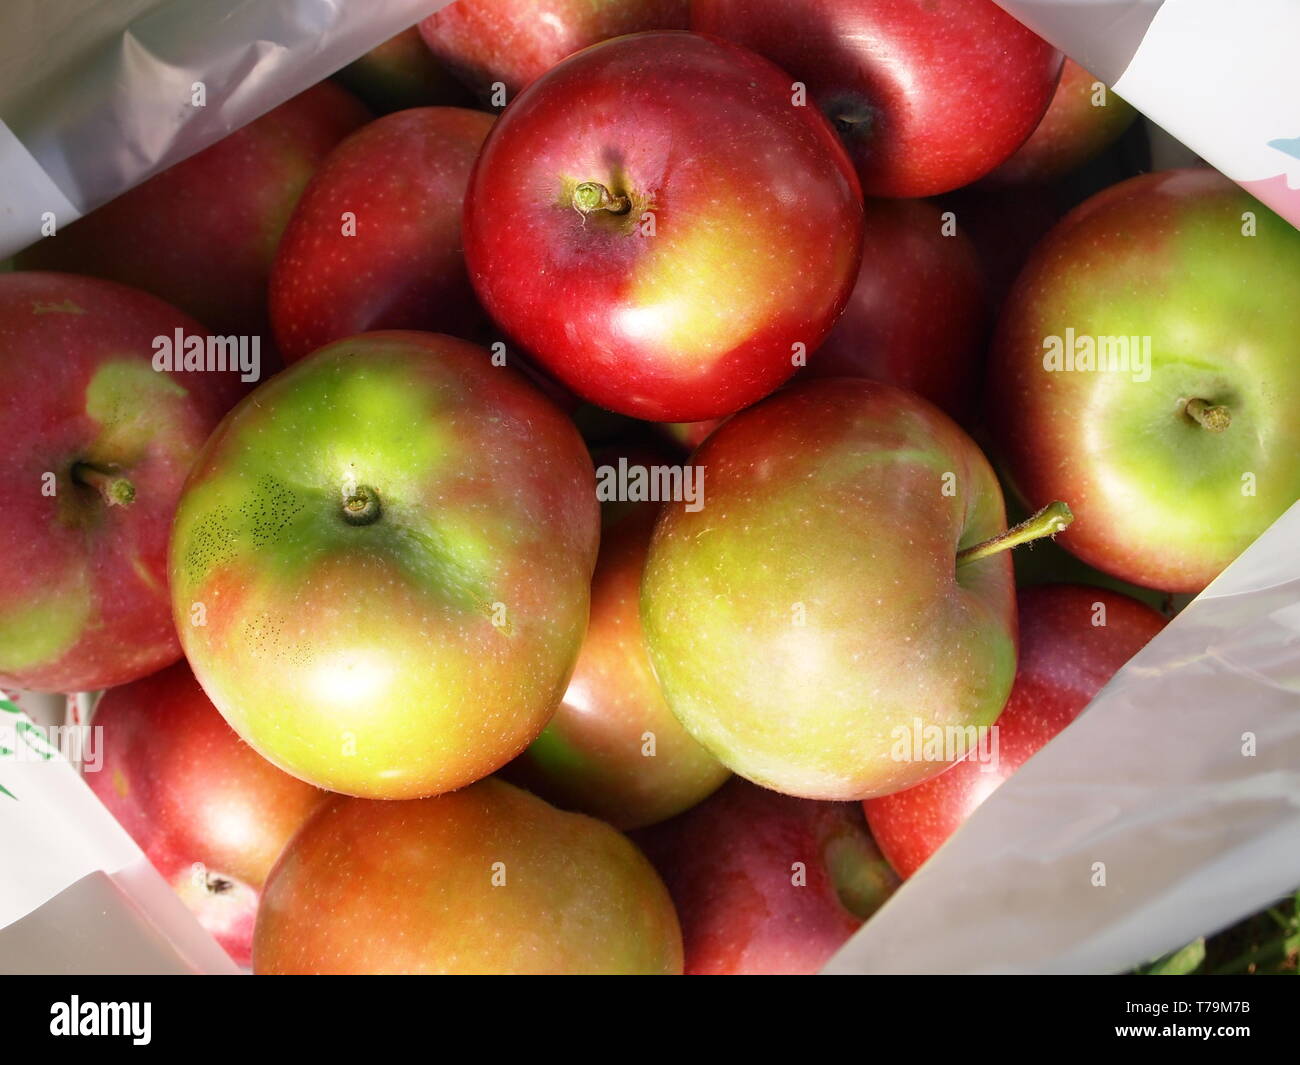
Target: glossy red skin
{"type": "Point", "coordinates": [1065, 660]}
{"type": "Point", "coordinates": [918, 315]}
{"type": "Point", "coordinates": [942, 92]}
{"type": "Point", "coordinates": [57, 332]}
{"type": "Point", "coordinates": [1072, 132]}
{"type": "Point", "coordinates": [202, 234]}
{"type": "Point", "coordinates": [192, 793]}
{"type": "Point", "coordinates": [728, 865]}
{"type": "Point", "coordinates": [403, 177]}
{"type": "Point", "coordinates": [633, 322]}
{"type": "Point", "coordinates": [402, 73]}
{"type": "Point", "coordinates": [515, 42]}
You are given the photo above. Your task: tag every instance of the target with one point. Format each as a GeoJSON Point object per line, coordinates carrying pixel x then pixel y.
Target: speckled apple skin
{"type": "Point", "coordinates": [757, 226]}
{"type": "Point", "coordinates": [202, 234]}
{"type": "Point", "coordinates": [515, 42]}
{"type": "Point", "coordinates": [1065, 659]}
{"type": "Point", "coordinates": [84, 604]}
{"type": "Point", "coordinates": [813, 606]}
{"type": "Point", "coordinates": [766, 884]}
{"type": "Point", "coordinates": [210, 812]}
{"type": "Point", "coordinates": [402, 178]}
{"type": "Point", "coordinates": [487, 880]}
{"type": "Point", "coordinates": [1158, 500]}
{"type": "Point", "coordinates": [941, 92]}
{"type": "Point", "coordinates": [420, 652]}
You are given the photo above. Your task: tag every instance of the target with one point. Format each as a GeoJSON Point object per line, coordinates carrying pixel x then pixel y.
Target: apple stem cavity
{"type": "Point", "coordinates": [1047, 522]}
{"type": "Point", "coordinates": [361, 505]}
{"type": "Point", "coordinates": [592, 196]}
{"type": "Point", "coordinates": [1208, 415]}
{"type": "Point", "coordinates": [113, 488]}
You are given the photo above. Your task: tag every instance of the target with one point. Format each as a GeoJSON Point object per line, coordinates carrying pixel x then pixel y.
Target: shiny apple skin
{"type": "Point", "coordinates": [403, 177]}
{"type": "Point", "coordinates": [515, 42]}
{"type": "Point", "coordinates": [210, 812]}
{"type": "Point", "coordinates": [391, 888]}
{"type": "Point", "coordinates": [201, 235]}
{"type": "Point", "coordinates": [84, 601]}
{"type": "Point", "coordinates": [1158, 499]}
{"type": "Point", "coordinates": [591, 755]}
{"type": "Point", "coordinates": [1073, 131]}
{"type": "Point", "coordinates": [402, 73]}
{"type": "Point", "coordinates": [830, 495]}
{"type": "Point", "coordinates": [937, 94]}
{"type": "Point", "coordinates": [420, 652]}
{"type": "Point", "coordinates": [918, 314]}
{"type": "Point", "coordinates": [745, 906]}
{"type": "Point", "coordinates": [1065, 660]}
{"type": "Point", "coordinates": [758, 226]}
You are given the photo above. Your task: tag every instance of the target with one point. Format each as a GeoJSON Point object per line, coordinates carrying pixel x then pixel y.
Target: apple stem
{"type": "Point", "coordinates": [1209, 415]}
{"type": "Point", "coordinates": [115, 490]}
{"type": "Point", "coordinates": [592, 196]}
{"type": "Point", "coordinates": [1047, 522]}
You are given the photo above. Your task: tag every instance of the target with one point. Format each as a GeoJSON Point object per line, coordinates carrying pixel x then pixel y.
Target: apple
{"type": "Point", "coordinates": [514, 42]}
{"type": "Point", "coordinates": [1073, 639]}
{"type": "Point", "coordinates": [614, 749]}
{"type": "Point", "coordinates": [766, 884]}
{"type": "Point", "coordinates": [827, 612]}
{"type": "Point", "coordinates": [202, 234]}
{"type": "Point", "coordinates": [402, 73]}
{"type": "Point", "coordinates": [97, 446]}
{"type": "Point", "coordinates": [927, 96]}
{"type": "Point", "coordinates": [623, 228]}
{"type": "Point", "coordinates": [487, 880]}
{"type": "Point", "coordinates": [918, 315]}
{"type": "Point", "coordinates": [1083, 119]}
{"type": "Point", "coordinates": [208, 811]}
{"type": "Point", "coordinates": [381, 565]}
{"type": "Point", "coordinates": [1183, 446]}
{"type": "Point", "coordinates": [374, 242]}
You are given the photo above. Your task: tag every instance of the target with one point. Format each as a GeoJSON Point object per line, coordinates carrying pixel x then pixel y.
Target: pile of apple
{"type": "Point", "coordinates": [426, 685]}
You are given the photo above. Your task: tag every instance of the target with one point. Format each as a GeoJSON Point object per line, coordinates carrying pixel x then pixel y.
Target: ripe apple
{"type": "Point", "coordinates": [374, 243]}
{"type": "Point", "coordinates": [486, 880]}
{"type": "Point", "coordinates": [1083, 119]}
{"type": "Point", "coordinates": [1183, 447]}
{"type": "Point", "coordinates": [97, 446]}
{"type": "Point", "coordinates": [918, 315]}
{"type": "Point", "coordinates": [209, 811]}
{"type": "Point", "coordinates": [381, 565]}
{"type": "Point", "coordinates": [622, 227]}
{"type": "Point", "coordinates": [823, 614]}
{"type": "Point", "coordinates": [515, 42]}
{"type": "Point", "coordinates": [1073, 639]}
{"type": "Point", "coordinates": [202, 234]}
{"type": "Point", "coordinates": [767, 884]}
{"type": "Point", "coordinates": [927, 96]}
{"type": "Point", "coordinates": [402, 73]}
{"type": "Point", "coordinates": [613, 748]}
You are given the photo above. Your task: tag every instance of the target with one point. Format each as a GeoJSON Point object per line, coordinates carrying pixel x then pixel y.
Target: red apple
{"type": "Point", "coordinates": [97, 446]}
{"type": "Point", "coordinates": [622, 226]}
{"type": "Point", "coordinates": [1073, 639]}
{"type": "Point", "coordinates": [613, 748]}
{"type": "Point", "coordinates": [202, 234]}
{"type": "Point", "coordinates": [207, 810]}
{"type": "Point", "coordinates": [484, 880]}
{"type": "Point", "coordinates": [918, 314]}
{"type": "Point", "coordinates": [381, 565]}
{"type": "Point", "coordinates": [1084, 118]}
{"type": "Point", "coordinates": [927, 96]}
{"type": "Point", "coordinates": [374, 243]}
{"type": "Point", "coordinates": [515, 42]}
{"type": "Point", "coordinates": [402, 73]}
{"type": "Point", "coordinates": [765, 883]}
{"type": "Point", "coordinates": [1144, 369]}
